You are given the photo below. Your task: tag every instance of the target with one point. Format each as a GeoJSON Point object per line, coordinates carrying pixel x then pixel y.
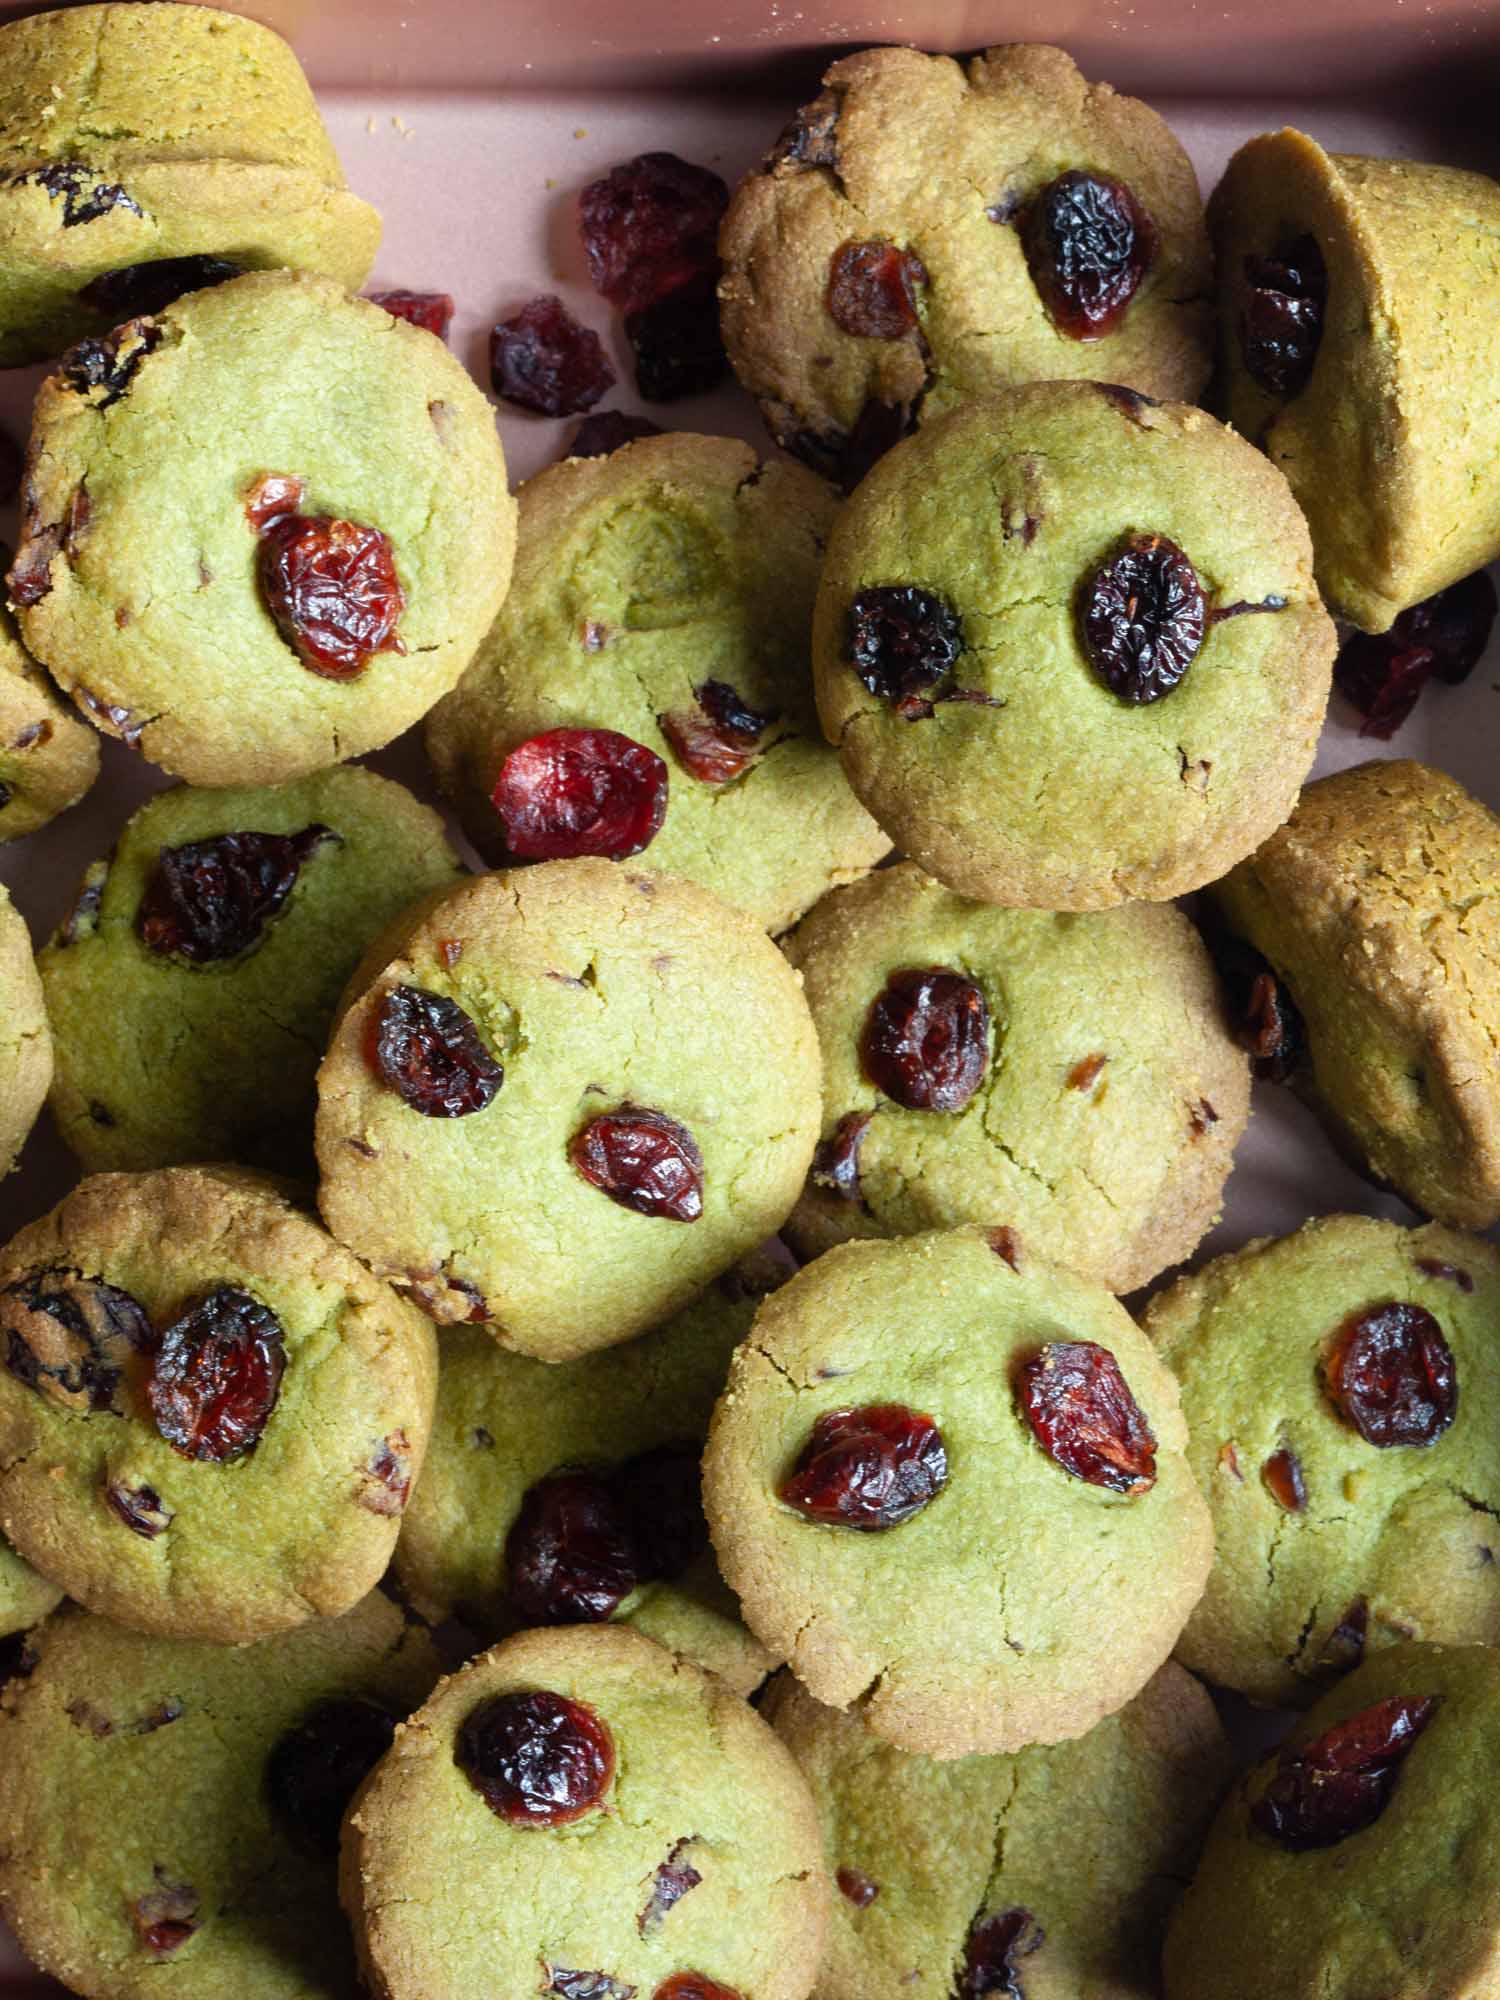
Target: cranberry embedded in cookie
{"type": "Point", "coordinates": [1143, 617]}
{"type": "Point", "coordinates": [643, 1160]}
{"type": "Point", "coordinates": [1391, 1375]}
{"type": "Point", "coordinates": [216, 1376]}
{"type": "Point", "coordinates": [870, 1468]}
{"type": "Point", "coordinates": [428, 1050]}
{"type": "Point", "coordinates": [208, 900]}
{"type": "Point", "coordinates": [1085, 1418]}
{"type": "Point", "coordinates": [537, 1759]}
{"type": "Point", "coordinates": [1340, 1783]}
{"type": "Point", "coordinates": [926, 1039]}
{"type": "Point", "coordinates": [332, 588]}
{"type": "Point", "coordinates": [1089, 245]}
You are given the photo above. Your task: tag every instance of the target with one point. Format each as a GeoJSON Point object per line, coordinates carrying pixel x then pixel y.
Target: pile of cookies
{"type": "Point", "coordinates": [684, 1259]}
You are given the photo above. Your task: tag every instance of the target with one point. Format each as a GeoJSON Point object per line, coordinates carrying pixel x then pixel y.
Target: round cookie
{"type": "Point", "coordinates": [25, 1597]}
{"type": "Point", "coordinates": [948, 1483]}
{"type": "Point", "coordinates": [145, 151]}
{"type": "Point", "coordinates": [1374, 993]}
{"type": "Point", "coordinates": [262, 531]}
{"type": "Point", "coordinates": [1356, 299]}
{"type": "Point", "coordinates": [898, 251]}
{"type": "Point", "coordinates": [692, 1850]}
{"type": "Point", "coordinates": [223, 928]}
{"type": "Point", "coordinates": [211, 1415]}
{"type": "Point", "coordinates": [1070, 648]}
{"type": "Point", "coordinates": [48, 758]}
{"type": "Point", "coordinates": [25, 1040]}
{"type": "Point", "coordinates": [169, 1820]}
{"type": "Point", "coordinates": [571, 1097]}
{"type": "Point", "coordinates": [1056, 1865]}
{"type": "Point", "coordinates": [1099, 1111]}
{"type": "Point", "coordinates": [665, 593]}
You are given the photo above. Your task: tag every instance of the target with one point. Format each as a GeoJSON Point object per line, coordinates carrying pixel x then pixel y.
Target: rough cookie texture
{"type": "Point", "coordinates": [25, 1597]}
{"type": "Point", "coordinates": [48, 758]}
{"type": "Point", "coordinates": [25, 1041]}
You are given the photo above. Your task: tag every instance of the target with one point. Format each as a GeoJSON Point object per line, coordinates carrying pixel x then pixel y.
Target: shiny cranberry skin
{"type": "Point", "coordinates": [333, 590]}
{"type": "Point", "coordinates": [1383, 673]}
{"type": "Point", "coordinates": [430, 1053]}
{"type": "Point", "coordinates": [650, 226]}
{"type": "Point", "coordinates": [1342, 1781]}
{"type": "Point", "coordinates": [718, 739]}
{"type": "Point", "coordinates": [212, 899]}
{"type": "Point", "coordinates": [1281, 323]}
{"type": "Point", "coordinates": [138, 289]}
{"type": "Point", "coordinates": [1282, 1473]}
{"type": "Point", "coordinates": [570, 1557]}
{"type": "Point", "coordinates": [904, 644]}
{"type": "Point", "coordinates": [580, 791]}
{"type": "Point", "coordinates": [856, 1887]}
{"type": "Point", "coordinates": [677, 344]}
{"type": "Point", "coordinates": [693, 1986]}
{"type": "Point", "coordinates": [216, 1376]}
{"type": "Point", "coordinates": [872, 290]}
{"type": "Point", "coordinates": [926, 1039]}
{"type": "Point", "coordinates": [643, 1160]}
{"type": "Point", "coordinates": [1088, 245]}
{"type": "Point", "coordinates": [1391, 1375]}
{"type": "Point", "coordinates": [870, 1468]}
{"type": "Point", "coordinates": [607, 430]}
{"type": "Point", "coordinates": [541, 359]}
{"type": "Point", "coordinates": [835, 1164]}
{"type": "Point", "coordinates": [994, 1945]}
{"type": "Point", "coordinates": [316, 1768]}
{"type": "Point", "coordinates": [1143, 618]}
{"type": "Point", "coordinates": [433, 311]}
{"type": "Point", "coordinates": [1084, 1417]}
{"type": "Point", "coordinates": [536, 1758]}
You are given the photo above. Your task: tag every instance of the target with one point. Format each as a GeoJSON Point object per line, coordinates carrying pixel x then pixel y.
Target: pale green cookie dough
{"type": "Point", "coordinates": [1023, 1603]}
{"type": "Point", "coordinates": [48, 758]}
{"type": "Point", "coordinates": [299, 1525]}
{"type": "Point", "coordinates": [673, 562]}
{"type": "Point", "coordinates": [24, 1596]}
{"type": "Point", "coordinates": [162, 1058]}
{"type": "Point", "coordinates": [25, 1041]}
{"type": "Point", "coordinates": [448, 1900]}
{"type": "Point", "coordinates": [145, 1848]}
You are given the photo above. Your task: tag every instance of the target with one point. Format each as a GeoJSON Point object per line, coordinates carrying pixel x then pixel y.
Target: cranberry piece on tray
{"type": "Point", "coordinates": [643, 1160]}
{"type": "Point", "coordinates": [536, 1758]}
{"type": "Point", "coordinates": [1143, 618]}
{"type": "Point", "coordinates": [580, 791]}
{"type": "Point", "coordinates": [1085, 1418]}
{"type": "Point", "coordinates": [926, 1039]}
{"type": "Point", "coordinates": [605, 431]}
{"type": "Point", "coordinates": [431, 310]}
{"type": "Point", "coordinates": [333, 590]}
{"type": "Point", "coordinates": [1342, 1781]}
{"type": "Point", "coordinates": [216, 1376]}
{"type": "Point", "coordinates": [316, 1768]}
{"type": "Point", "coordinates": [678, 348]}
{"type": "Point", "coordinates": [649, 227]}
{"type": "Point", "coordinates": [870, 1468]}
{"type": "Point", "coordinates": [212, 899]}
{"type": "Point", "coordinates": [542, 359]}
{"type": "Point", "coordinates": [1383, 673]}
{"type": "Point", "coordinates": [1391, 1375]}
{"type": "Point", "coordinates": [872, 290]}
{"type": "Point", "coordinates": [1088, 245]}
{"type": "Point", "coordinates": [430, 1052]}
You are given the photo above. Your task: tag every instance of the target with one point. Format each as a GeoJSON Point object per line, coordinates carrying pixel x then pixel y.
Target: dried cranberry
{"type": "Point", "coordinates": [870, 1468]}
{"type": "Point", "coordinates": [110, 362]}
{"type": "Point", "coordinates": [541, 359]}
{"type": "Point", "coordinates": [430, 1053]}
{"type": "Point", "coordinates": [72, 1338]}
{"type": "Point", "coordinates": [650, 226]}
{"type": "Point", "coordinates": [1342, 1781]}
{"type": "Point", "coordinates": [1344, 1647]}
{"type": "Point", "coordinates": [718, 739]}
{"type": "Point", "coordinates": [141, 1509]}
{"type": "Point", "coordinates": [570, 1985]}
{"type": "Point", "coordinates": [137, 289]}
{"type": "Point", "coordinates": [166, 1917]}
{"type": "Point", "coordinates": [1391, 1375]}
{"type": "Point", "coordinates": [995, 1943]}
{"type": "Point", "coordinates": [693, 1986]}
{"type": "Point", "coordinates": [271, 496]}
{"type": "Point", "coordinates": [1086, 1419]}
{"type": "Point", "coordinates": [431, 310]}
{"type": "Point", "coordinates": [83, 195]}
{"type": "Point", "coordinates": [606, 430]}
{"type": "Point", "coordinates": [385, 1477]}
{"type": "Point", "coordinates": [12, 464]}
{"type": "Point", "coordinates": [926, 1039]}
{"type": "Point", "coordinates": [580, 791]}
{"type": "Point", "coordinates": [904, 644]}
{"type": "Point", "coordinates": [1088, 245]}
{"type": "Point", "coordinates": [677, 344]}
{"type": "Point", "coordinates": [872, 290]}
{"type": "Point", "coordinates": [1086, 1072]}
{"type": "Point", "coordinates": [809, 138]}
{"type": "Point", "coordinates": [643, 1160]}
{"type": "Point", "coordinates": [1282, 1473]}
{"type": "Point", "coordinates": [216, 1376]}
{"type": "Point", "coordinates": [1383, 673]}
{"type": "Point", "coordinates": [1267, 1022]}
{"type": "Point", "coordinates": [212, 899]}
{"type": "Point", "coordinates": [1281, 324]}
{"type": "Point", "coordinates": [571, 1557]}
{"type": "Point", "coordinates": [1435, 1267]}
{"type": "Point", "coordinates": [673, 1879]}
{"type": "Point", "coordinates": [316, 1768]}
{"type": "Point", "coordinates": [835, 1164]}
{"type": "Point", "coordinates": [660, 1493]}
{"type": "Point", "coordinates": [856, 1887]}
{"type": "Point", "coordinates": [333, 590]}
{"type": "Point", "coordinates": [536, 1758]}
{"type": "Point", "coordinates": [846, 456]}
{"type": "Point", "coordinates": [1143, 617]}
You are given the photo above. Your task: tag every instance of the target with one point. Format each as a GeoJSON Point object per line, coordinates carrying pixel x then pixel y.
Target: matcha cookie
{"type": "Point", "coordinates": [645, 688]}
{"type": "Point", "coordinates": [210, 1415]}
{"type": "Point", "coordinates": [170, 1814]}
{"type": "Point", "coordinates": [569, 1098]}
{"type": "Point", "coordinates": [193, 986]}
{"type": "Point", "coordinates": [147, 151]}
{"type": "Point", "coordinates": [25, 1042]}
{"type": "Point", "coordinates": [1371, 983]}
{"type": "Point", "coordinates": [262, 531]}
{"type": "Point", "coordinates": [948, 1483]}
{"type": "Point", "coordinates": [927, 231]}
{"type": "Point", "coordinates": [48, 758]}
{"type": "Point", "coordinates": [1055, 1866]}
{"type": "Point", "coordinates": [1070, 1076]}
{"type": "Point", "coordinates": [584, 1813]}
{"type": "Point", "coordinates": [25, 1597]}
{"type": "Point", "coordinates": [1070, 648]}
{"type": "Point", "coordinates": [1357, 299]}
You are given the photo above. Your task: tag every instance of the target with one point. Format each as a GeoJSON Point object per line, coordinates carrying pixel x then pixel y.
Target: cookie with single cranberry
{"type": "Point", "coordinates": [572, 1097]}
{"type": "Point", "coordinates": [223, 928]}
{"type": "Point", "coordinates": [1070, 648]}
{"type": "Point", "coordinates": [1359, 1858]}
{"type": "Point", "coordinates": [1070, 1077]}
{"type": "Point", "coordinates": [949, 1485]}
{"type": "Point", "coordinates": [145, 152]}
{"type": "Point", "coordinates": [25, 1039]}
{"type": "Point", "coordinates": [653, 648]}
{"type": "Point", "coordinates": [170, 1816]}
{"type": "Point", "coordinates": [926, 231]}
{"type": "Point", "coordinates": [48, 758]}
{"type": "Point", "coordinates": [1356, 298]}
{"type": "Point", "coordinates": [1374, 916]}
{"type": "Point", "coordinates": [626, 1825]}
{"type": "Point", "coordinates": [210, 1414]}
{"type": "Point", "coordinates": [25, 1597]}
{"type": "Point", "coordinates": [263, 530]}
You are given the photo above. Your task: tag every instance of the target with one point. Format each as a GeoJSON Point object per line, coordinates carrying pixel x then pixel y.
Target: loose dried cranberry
{"type": "Point", "coordinates": [333, 590]}
{"type": "Point", "coordinates": [1085, 1418]}
{"type": "Point", "coordinates": [856, 1887]}
{"type": "Point", "coordinates": [606, 430]}
{"type": "Point", "coordinates": [570, 1557]}
{"type": "Point", "coordinates": [673, 1879]}
{"type": "Point", "coordinates": [1282, 1473]}
{"type": "Point", "coordinates": [72, 1338]}
{"type": "Point", "coordinates": [693, 1986]}
{"type": "Point", "coordinates": [580, 791]}
{"type": "Point", "coordinates": [571, 1985]}
{"type": "Point", "coordinates": [835, 1164]}
{"type": "Point", "coordinates": [1342, 1781]}
{"type": "Point", "coordinates": [718, 739]}
{"type": "Point", "coordinates": [12, 463]}
{"type": "Point", "coordinates": [677, 344]}
{"type": "Point", "coordinates": [536, 1758]}
{"type": "Point", "coordinates": [430, 310]}
{"type": "Point", "coordinates": [1384, 673]}
{"type": "Point", "coordinates": [872, 290]}
{"type": "Point", "coordinates": [870, 1468]}
{"type": "Point", "coordinates": [1281, 324]}
{"type": "Point", "coordinates": [212, 899]}
{"type": "Point", "coordinates": [141, 1509]}
{"type": "Point", "coordinates": [216, 1376]}
{"type": "Point", "coordinates": [643, 1160]}
{"type": "Point", "coordinates": [995, 1943]}
{"type": "Point", "coordinates": [650, 226]}
{"type": "Point", "coordinates": [429, 1051]}
{"type": "Point", "coordinates": [1088, 245]}
{"type": "Point", "coordinates": [110, 362]}
{"type": "Point", "coordinates": [138, 289]}
{"type": "Point", "coordinates": [316, 1768]}
{"type": "Point", "coordinates": [926, 1039]}
{"type": "Point", "coordinates": [1143, 618]}
{"type": "Point", "coordinates": [541, 359]}
{"type": "Point", "coordinates": [904, 644]}
{"type": "Point", "coordinates": [1391, 1375]}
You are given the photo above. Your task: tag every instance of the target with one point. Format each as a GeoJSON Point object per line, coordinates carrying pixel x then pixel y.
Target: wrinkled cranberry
{"type": "Point", "coordinates": [138, 289]}
{"type": "Point", "coordinates": [570, 1985]}
{"type": "Point", "coordinates": [12, 463]}
{"type": "Point", "coordinates": [870, 1468]}
{"type": "Point", "coordinates": [872, 290]}
{"type": "Point", "coordinates": [536, 1758]}
{"type": "Point", "coordinates": [580, 791]}
{"type": "Point", "coordinates": [216, 1376]}
{"type": "Point", "coordinates": [1267, 1022]}
{"type": "Point", "coordinates": [856, 1887]}
{"type": "Point", "coordinates": [693, 1986]}
{"type": "Point", "coordinates": [141, 1509]}
{"type": "Point", "coordinates": [1086, 1419]}
{"type": "Point", "coordinates": [673, 1879]}
{"type": "Point", "coordinates": [316, 1768]}
{"type": "Point", "coordinates": [333, 590]}
{"type": "Point", "coordinates": [926, 1039]}
{"type": "Point", "coordinates": [1282, 1473]}
{"type": "Point", "coordinates": [1143, 618]}
{"type": "Point", "coordinates": [650, 226]}
{"type": "Point", "coordinates": [809, 139]}
{"type": "Point", "coordinates": [835, 1164]}
{"type": "Point", "coordinates": [430, 310]}
{"type": "Point", "coordinates": [430, 1053]}
{"type": "Point", "coordinates": [606, 430]}
{"type": "Point", "coordinates": [904, 644]}
{"type": "Point", "coordinates": [995, 1943]}
{"type": "Point", "coordinates": [718, 739]}
{"type": "Point", "coordinates": [212, 899]}
{"type": "Point", "coordinates": [643, 1160]}
{"type": "Point", "coordinates": [1342, 1781]}
{"type": "Point", "coordinates": [1391, 1375]}
{"type": "Point", "coordinates": [1383, 673]}
{"type": "Point", "coordinates": [677, 344]}
{"type": "Point", "coordinates": [541, 359]}
{"type": "Point", "coordinates": [72, 1338]}
{"type": "Point", "coordinates": [1088, 245]}
{"type": "Point", "coordinates": [109, 363]}
{"type": "Point", "coordinates": [570, 1556]}
{"type": "Point", "coordinates": [1281, 323]}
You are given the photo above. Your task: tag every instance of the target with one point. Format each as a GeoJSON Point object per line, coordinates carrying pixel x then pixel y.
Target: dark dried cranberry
{"type": "Point", "coordinates": [606, 430]}
{"type": "Point", "coordinates": [809, 139]}
{"type": "Point", "coordinates": [571, 1557]}
{"type": "Point", "coordinates": [536, 1758]}
{"type": "Point", "coordinates": [718, 739]}
{"type": "Point", "coordinates": [1344, 1647]}
{"type": "Point", "coordinates": [926, 1039]}
{"type": "Point", "coordinates": [216, 1376]}
{"type": "Point", "coordinates": [571, 1985]}
{"type": "Point", "coordinates": [430, 310]}
{"type": "Point", "coordinates": [1143, 618]}
{"type": "Point", "coordinates": [835, 1164]}
{"type": "Point", "coordinates": [1341, 1782]}
{"type": "Point", "coordinates": [108, 363]}
{"type": "Point", "coordinates": [580, 791]}
{"type": "Point", "coordinates": [660, 1493]}
{"type": "Point", "coordinates": [541, 359]}
{"type": "Point", "coordinates": [677, 344]}
{"type": "Point", "coordinates": [1434, 1267]}
{"type": "Point", "coordinates": [18, 1657]}
{"type": "Point", "coordinates": [333, 590]}
{"type": "Point", "coordinates": [429, 1051]}
{"type": "Point", "coordinates": [643, 1160]}
{"type": "Point", "coordinates": [141, 1509]}
{"type": "Point", "coordinates": [1266, 1020]}
{"type": "Point", "coordinates": [1088, 245]}
{"type": "Point", "coordinates": [846, 456]}
{"type": "Point", "coordinates": [872, 290]}
{"type": "Point", "coordinates": [212, 899]}
{"type": "Point", "coordinates": [83, 195]}
{"type": "Point", "coordinates": [1086, 1419]}
{"type": "Point", "coordinates": [1391, 1375]}
{"type": "Point", "coordinates": [72, 1338]}
{"type": "Point", "coordinates": [904, 644]}
{"type": "Point", "coordinates": [673, 1879]}
{"type": "Point", "coordinates": [1281, 324]}
{"type": "Point", "coordinates": [1383, 673]}
{"type": "Point", "coordinates": [870, 1468]}
{"type": "Point", "coordinates": [693, 1986]}
{"type": "Point", "coordinates": [316, 1768]}
{"type": "Point", "coordinates": [12, 463]}
{"type": "Point", "coordinates": [649, 227]}
{"type": "Point", "coordinates": [856, 1887]}
{"type": "Point", "coordinates": [1282, 1473]}
{"type": "Point", "coordinates": [138, 289]}
{"type": "Point", "coordinates": [995, 1943]}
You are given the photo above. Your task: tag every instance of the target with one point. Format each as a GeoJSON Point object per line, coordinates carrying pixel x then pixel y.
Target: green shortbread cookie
{"type": "Point", "coordinates": [25, 1597]}
{"type": "Point", "coordinates": [25, 1040]}
{"type": "Point", "coordinates": [48, 757]}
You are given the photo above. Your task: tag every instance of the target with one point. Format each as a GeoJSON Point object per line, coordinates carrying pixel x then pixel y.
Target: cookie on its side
{"type": "Point", "coordinates": [48, 758]}
{"type": "Point", "coordinates": [25, 1039]}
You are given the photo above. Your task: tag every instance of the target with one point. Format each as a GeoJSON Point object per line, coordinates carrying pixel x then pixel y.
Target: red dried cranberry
{"type": "Point", "coordinates": [872, 290]}
{"type": "Point", "coordinates": [835, 1164]}
{"type": "Point", "coordinates": [904, 644]}
{"type": "Point", "coordinates": [693, 1986]}
{"type": "Point", "coordinates": [1282, 1473]}
{"type": "Point", "coordinates": [12, 463]}
{"type": "Point", "coordinates": [430, 1053]}
{"type": "Point", "coordinates": [677, 344]}
{"type": "Point", "coordinates": [870, 1468]}
{"type": "Point", "coordinates": [536, 1758]}
{"type": "Point", "coordinates": [1086, 1072]}
{"type": "Point", "coordinates": [138, 289]}
{"type": "Point", "coordinates": [995, 1943]}
{"type": "Point", "coordinates": [316, 1768]}
{"type": "Point", "coordinates": [332, 588]}
{"type": "Point", "coordinates": [140, 1508]}
{"type": "Point", "coordinates": [856, 1887]}
{"type": "Point", "coordinates": [650, 226]}
{"type": "Point", "coordinates": [643, 1160]}
{"type": "Point", "coordinates": [541, 359]}
{"type": "Point", "coordinates": [926, 1039]}
{"type": "Point", "coordinates": [72, 1338]}
{"type": "Point", "coordinates": [271, 496]}
{"type": "Point", "coordinates": [673, 1879]}
{"type": "Point", "coordinates": [606, 430]}
{"type": "Point", "coordinates": [166, 1917]}
{"type": "Point", "coordinates": [431, 310]}
{"type": "Point", "coordinates": [212, 899]}
{"type": "Point", "coordinates": [1391, 1375]}
{"type": "Point", "coordinates": [1342, 1781]}
{"type": "Point", "coordinates": [1085, 1418]}
{"type": "Point", "coordinates": [1088, 245]}
{"type": "Point", "coordinates": [1281, 324]}
{"type": "Point", "coordinates": [570, 1556]}
{"type": "Point", "coordinates": [1143, 618]}
{"type": "Point", "coordinates": [580, 791]}
{"type": "Point", "coordinates": [1383, 673]}
{"type": "Point", "coordinates": [718, 739]}
{"type": "Point", "coordinates": [216, 1376]}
